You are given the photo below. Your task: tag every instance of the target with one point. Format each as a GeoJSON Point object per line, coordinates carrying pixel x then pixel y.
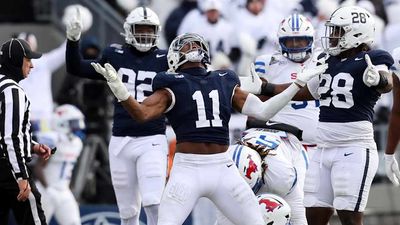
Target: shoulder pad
{"type": "Point", "coordinates": [379, 57]}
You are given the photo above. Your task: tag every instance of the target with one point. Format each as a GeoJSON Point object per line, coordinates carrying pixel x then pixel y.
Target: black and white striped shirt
{"type": "Point", "coordinates": [15, 135]}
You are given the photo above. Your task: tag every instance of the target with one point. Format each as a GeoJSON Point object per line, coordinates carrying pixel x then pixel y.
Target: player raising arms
{"type": "Point", "coordinates": [198, 105]}
{"type": "Point", "coordinates": [137, 151]}
{"type": "Point", "coordinates": [341, 171]}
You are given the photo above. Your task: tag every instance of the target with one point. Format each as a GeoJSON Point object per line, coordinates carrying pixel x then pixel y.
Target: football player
{"type": "Point", "coordinates": [137, 151]}
{"type": "Point", "coordinates": [54, 175]}
{"type": "Point", "coordinates": [198, 104]}
{"type": "Point", "coordinates": [341, 171]}
{"type": "Point", "coordinates": [391, 165]}
{"type": "Point", "coordinates": [296, 38]}
{"type": "Point", "coordinates": [279, 151]}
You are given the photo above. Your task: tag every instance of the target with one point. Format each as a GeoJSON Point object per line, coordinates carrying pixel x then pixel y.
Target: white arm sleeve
{"type": "Point", "coordinates": [254, 107]}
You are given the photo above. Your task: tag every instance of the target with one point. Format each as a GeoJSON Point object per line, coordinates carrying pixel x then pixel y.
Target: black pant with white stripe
{"type": "Point", "coordinates": [29, 212]}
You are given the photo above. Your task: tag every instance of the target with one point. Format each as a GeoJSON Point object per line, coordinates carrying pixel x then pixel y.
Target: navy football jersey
{"type": "Point", "coordinates": [343, 95]}
{"type": "Point", "coordinates": [136, 70]}
{"type": "Point", "coordinates": [202, 103]}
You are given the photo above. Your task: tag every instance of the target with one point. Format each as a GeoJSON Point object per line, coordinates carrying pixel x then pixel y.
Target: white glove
{"type": "Point", "coordinates": [392, 169]}
{"type": "Point", "coordinates": [74, 26]}
{"type": "Point", "coordinates": [252, 83]}
{"type": "Point", "coordinates": [307, 74]}
{"type": "Point", "coordinates": [371, 75]}
{"type": "Point", "coordinates": [117, 87]}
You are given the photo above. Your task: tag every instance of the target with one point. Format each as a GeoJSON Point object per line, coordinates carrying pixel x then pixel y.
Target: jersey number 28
{"type": "Point", "coordinates": [341, 86]}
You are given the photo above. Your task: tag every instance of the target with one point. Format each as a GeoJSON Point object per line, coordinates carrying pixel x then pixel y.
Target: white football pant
{"type": "Point", "coordinates": [138, 170]}
{"type": "Point", "coordinates": [213, 176]}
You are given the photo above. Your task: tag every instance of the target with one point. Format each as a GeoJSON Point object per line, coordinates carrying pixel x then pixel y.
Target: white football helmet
{"type": "Point", "coordinates": [275, 210]}
{"type": "Point", "coordinates": [348, 28]}
{"type": "Point", "coordinates": [249, 164]}
{"type": "Point", "coordinates": [198, 51]}
{"type": "Point", "coordinates": [68, 119]}
{"type": "Point", "coordinates": [141, 41]}
{"type": "Point", "coordinates": [296, 28]}
{"type": "Point", "coordinates": [262, 141]}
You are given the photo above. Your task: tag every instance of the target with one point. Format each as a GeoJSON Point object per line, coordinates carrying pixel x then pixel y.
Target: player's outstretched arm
{"type": "Point", "coordinates": [253, 84]}
{"type": "Point", "coordinates": [74, 61]}
{"type": "Point", "coordinates": [251, 105]}
{"type": "Point", "coordinates": [152, 107]}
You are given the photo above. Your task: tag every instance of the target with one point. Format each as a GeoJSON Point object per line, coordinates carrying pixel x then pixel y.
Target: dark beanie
{"type": "Point", "coordinates": [12, 55]}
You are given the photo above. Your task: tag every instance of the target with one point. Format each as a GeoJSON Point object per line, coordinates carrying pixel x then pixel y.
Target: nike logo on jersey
{"type": "Point", "coordinates": [222, 74]}
{"type": "Point", "coordinates": [229, 165]}
{"type": "Point", "coordinates": [270, 123]}
{"type": "Point", "coordinates": [358, 59]}
{"type": "Point", "coordinates": [159, 56]}
{"type": "Point", "coordinates": [120, 51]}
{"type": "Point", "coordinates": [154, 144]}
{"type": "Point", "coordinates": [347, 154]}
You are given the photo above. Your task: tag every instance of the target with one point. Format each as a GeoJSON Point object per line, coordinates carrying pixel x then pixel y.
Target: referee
{"type": "Point", "coordinates": [17, 190]}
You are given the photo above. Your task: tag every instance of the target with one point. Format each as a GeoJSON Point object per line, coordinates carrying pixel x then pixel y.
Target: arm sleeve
{"type": "Point", "coordinates": [77, 66]}
{"type": "Point", "coordinates": [254, 107]}
{"type": "Point", "coordinates": [13, 117]}
{"type": "Point", "coordinates": [55, 58]}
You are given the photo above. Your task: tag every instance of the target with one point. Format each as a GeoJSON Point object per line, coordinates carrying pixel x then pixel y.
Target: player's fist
{"type": "Point", "coordinates": [74, 26]}
{"type": "Point", "coordinates": [252, 83]}
{"type": "Point", "coordinates": [110, 74]}
{"type": "Point", "coordinates": [392, 169]}
{"type": "Point", "coordinates": [308, 73]}
{"type": "Point", "coordinates": [371, 75]}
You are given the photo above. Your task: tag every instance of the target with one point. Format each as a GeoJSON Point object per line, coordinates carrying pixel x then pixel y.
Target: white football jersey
{"type": "Point", "coordinates": [219, 36]}
{"type": "Point", "coordinates": [59, 168]}
{"type": "Point", "coordinates": [278, 69]}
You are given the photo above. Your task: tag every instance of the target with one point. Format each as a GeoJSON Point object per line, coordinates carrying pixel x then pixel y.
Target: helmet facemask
{"type": "Point", "coordinates": [334, 41]}
{"type": "Point", "coordinates": [298, 49]}
{"type": "Point", "coordinates": [187, 48]}
{"type": "Point", "coordinates": [140, 37]}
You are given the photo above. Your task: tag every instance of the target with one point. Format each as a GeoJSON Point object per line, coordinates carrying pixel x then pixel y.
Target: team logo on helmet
{"type": "Point", "coordinates": [270, 206]}
{"type": "Point", "coordinates": [251, 168]}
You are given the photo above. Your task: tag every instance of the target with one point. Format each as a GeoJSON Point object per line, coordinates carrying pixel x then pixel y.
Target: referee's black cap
{"type": "Point", "coordinates": [17, 48]}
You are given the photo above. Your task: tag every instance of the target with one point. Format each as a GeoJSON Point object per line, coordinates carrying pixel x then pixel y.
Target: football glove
{"type": "Point", "coordinates": [252, 83]}
{"type": "Point", "coordinates": [74, 26]}
{"type": "Point", "coordinates": [308, 73]}
{"type": "Point", "coordinates": [371, 75]}
{"type": "Point", "coordinates": [117, 87]}
{"type": "Point", "coordinates": [392, 169]}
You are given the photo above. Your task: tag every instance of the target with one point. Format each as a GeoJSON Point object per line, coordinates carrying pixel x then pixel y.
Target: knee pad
{"type": "Point", "coordinates": [129, 214]}
{"type": "Point", "coordinates": [130, 221]}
